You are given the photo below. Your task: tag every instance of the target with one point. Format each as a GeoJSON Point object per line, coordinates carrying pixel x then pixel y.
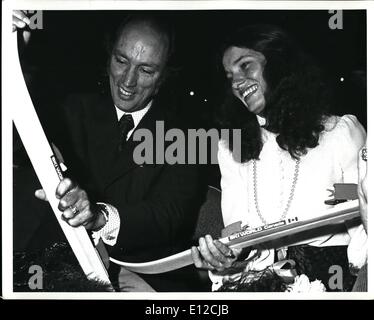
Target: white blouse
{"type": "Point", "coordinates": [334, 160]}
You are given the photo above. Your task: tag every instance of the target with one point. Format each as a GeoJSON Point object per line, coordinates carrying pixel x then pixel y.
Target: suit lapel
{"type": "Point", "coordinates": [102, 136]}
{"type": "Point", "coordinates": [124, 162]}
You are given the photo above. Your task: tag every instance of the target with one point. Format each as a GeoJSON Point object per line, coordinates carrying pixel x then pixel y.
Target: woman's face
{"type": "Point", "coordinates": [244, 69]}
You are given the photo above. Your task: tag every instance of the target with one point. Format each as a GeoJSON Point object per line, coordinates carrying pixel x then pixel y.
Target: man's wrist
{"type": "Point", "coordinates": [102, 217]}
{"type": "Point", "coordinates": [108, 223]}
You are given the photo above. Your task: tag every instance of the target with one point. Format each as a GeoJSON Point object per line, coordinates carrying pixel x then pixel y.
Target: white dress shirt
{"type": "Point", "coordinates": [137, 116]}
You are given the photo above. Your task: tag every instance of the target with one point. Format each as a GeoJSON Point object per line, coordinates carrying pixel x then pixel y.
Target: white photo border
{"type": "Point", "coordinates": [6, 134]}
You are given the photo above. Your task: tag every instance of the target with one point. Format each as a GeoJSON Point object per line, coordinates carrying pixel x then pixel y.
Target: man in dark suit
{"type": "Point", "coordinates": [142, 212]}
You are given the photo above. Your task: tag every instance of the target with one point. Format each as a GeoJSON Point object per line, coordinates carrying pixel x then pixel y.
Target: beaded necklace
{"type": "Point", "coordinates": [290, 198]}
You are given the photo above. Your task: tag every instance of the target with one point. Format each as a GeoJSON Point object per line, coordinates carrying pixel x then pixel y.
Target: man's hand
{"type": "Point", "coordinates": [75, 206]}
{"type": "Point", "coordinates": [20, 21]}
{"type": "Point", "coordinates": [213, 254]}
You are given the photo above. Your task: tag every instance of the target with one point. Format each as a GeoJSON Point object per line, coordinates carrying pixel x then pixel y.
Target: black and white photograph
{"type": "Point", "coordinates": [212, 152]}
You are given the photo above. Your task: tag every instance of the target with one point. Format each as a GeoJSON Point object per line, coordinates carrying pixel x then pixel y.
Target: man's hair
{"type": "Point", "coordinates": [297, 97]}
{"type": "Point", "coordinates": [158, 22]}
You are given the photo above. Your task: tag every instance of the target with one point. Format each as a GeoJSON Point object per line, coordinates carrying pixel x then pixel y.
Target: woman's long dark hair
{"type": "Point", "coordinates": [297, 98]}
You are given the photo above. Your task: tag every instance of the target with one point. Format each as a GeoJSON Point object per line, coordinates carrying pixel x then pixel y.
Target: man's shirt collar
{"type": "Point", "coordinates": [137, 116]}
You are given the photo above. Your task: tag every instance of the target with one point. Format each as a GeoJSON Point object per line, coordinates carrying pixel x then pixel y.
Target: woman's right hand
{"type": "Point", "coordinates": [213, 254]}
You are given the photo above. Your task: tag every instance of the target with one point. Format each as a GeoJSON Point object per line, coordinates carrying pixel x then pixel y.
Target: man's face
{"type": "Point", "coordinates": [244, 68]}
{"type": "Point", "coordinates": [136, 65]}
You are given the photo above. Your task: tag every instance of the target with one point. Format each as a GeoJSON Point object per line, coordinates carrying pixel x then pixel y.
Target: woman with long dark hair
{"type": "Point", "coordinates": [292, 152]}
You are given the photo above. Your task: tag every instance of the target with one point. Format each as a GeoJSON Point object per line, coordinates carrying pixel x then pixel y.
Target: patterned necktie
{"type": "Point", "coordinates": [126, 123]}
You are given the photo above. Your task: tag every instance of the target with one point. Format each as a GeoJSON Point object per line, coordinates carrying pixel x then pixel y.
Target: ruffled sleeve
{"type": "Point", "coordinates": [350, 137]}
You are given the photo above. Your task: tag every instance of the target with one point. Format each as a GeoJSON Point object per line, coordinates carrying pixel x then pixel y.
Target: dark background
{"type": "Point", "coordinates": [69, 55]}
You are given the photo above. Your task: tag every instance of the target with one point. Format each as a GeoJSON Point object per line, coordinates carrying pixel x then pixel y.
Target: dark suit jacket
{"type": "Point", "coordinates": [158, 203]}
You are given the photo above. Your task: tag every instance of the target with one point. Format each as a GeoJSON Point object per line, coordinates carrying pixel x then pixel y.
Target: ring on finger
{"type": "Point", "coordinates": [74, 210]}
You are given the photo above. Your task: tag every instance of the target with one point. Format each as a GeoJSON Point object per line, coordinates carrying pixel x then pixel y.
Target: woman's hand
{"type": "Point", "coordinates": [20, 21]}
{"type": "Point", "coordinates": [213, 254]}
{"type": "Point", "coordinates": [362, 185]}
{"type": "Point", "coordinates": [75, 206]}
